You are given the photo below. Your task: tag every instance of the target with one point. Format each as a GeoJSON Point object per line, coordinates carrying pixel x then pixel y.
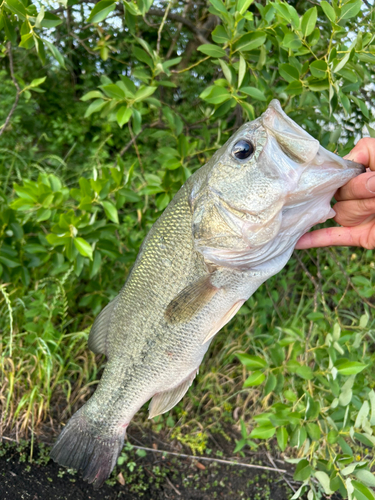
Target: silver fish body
{"type": "Point", "coordinates": [232, 225]}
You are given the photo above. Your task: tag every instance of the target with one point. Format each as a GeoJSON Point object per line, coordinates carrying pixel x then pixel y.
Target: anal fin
{"type": "Point", "coordinates": [190, 300]}
{"type": "Point", "coordinates": [218, 325]}
{"type": "Point", "coordinates": [99, 331]}
{"type": "Point", "coordinates": [165, 401]}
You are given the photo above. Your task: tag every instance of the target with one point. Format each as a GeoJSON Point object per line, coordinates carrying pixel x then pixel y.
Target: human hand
{"type": "Point", "coordinates": [355, 207]}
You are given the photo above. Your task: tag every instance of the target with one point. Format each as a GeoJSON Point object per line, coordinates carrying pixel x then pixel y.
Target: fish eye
{"type": "Point", "coordinates": [242, 149]}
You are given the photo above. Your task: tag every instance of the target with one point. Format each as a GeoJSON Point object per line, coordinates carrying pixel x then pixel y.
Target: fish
{"type": "Point", "coordinates": [231, 226]}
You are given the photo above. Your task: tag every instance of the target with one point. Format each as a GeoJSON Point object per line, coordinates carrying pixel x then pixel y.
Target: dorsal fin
{"type": "Point", "coordinates": [165, 401]}
{"type": "Point", "coordinates": [99, 331]}
{"type": "Point", "coordinates": [190, 300]}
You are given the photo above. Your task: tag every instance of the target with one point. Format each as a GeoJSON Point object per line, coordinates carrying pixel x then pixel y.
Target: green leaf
{"type": "Point", "coordinates": [217, 95]}
{"type": "Point", "coordinates": [291, 41]}
{"type": "Point", "coordinates": [114, 91]}
{"type": "Point", "coordinates": [123, 115]}
{"type": "Point", "coordinates": [83, 247]}
{"type": "Point", "coordinates": [132, 8]}
{"type": "Point", "coordinates": [50, 20]}
{"type": "Point", "coordinates": [325, 481]}
{"type": "Point", "coordinates": [110, 211]}
{"type": "Point", "coordinates": [294, 88]}
{"type": "Point", "coordinates": [8, 262]}
{"type": "Point", "coordinates": [92, 95]}
{"type": "Point", "coordinates": [101, 11]}
{"type": "Point", "coordinates": [282, 438]}
{"type": "Point", "coordinates": [328, 10]}
{"type": "Point", "coordinates": [360, 488]}
{"type": "Point", "coordinates": [243, 5]}
{"type": "Point", "coordinates": [143, 93]}
{"type": "Point", "coordinates": [367, 477]}
{"type": "Point", "coordinates": [313, 431]}
{"type": "Point", "coordinates": [56, 54]}
{"type": "Point", "coordinates": [255, 378]}
{"type": "Point", "coordinates": [226, 70]}
{"type": "Point", "coordinates": [309, 21]}
{"type": "Point", "coordinates": [289, 72]}
{"type": "Point", "coordinates": [17, 7]}
{"type": "Point", "coordinates": [27, 41]}
{"type": "Point", "coordinates": [345, 367]}
{"type": "Point", "coordinates": [350, 9]}
{"type": "Point", "coordinates": [37, 82]}
{"type": "Point", "coordinates": [263, 432]}
{"type": "Point", "coordinates": [319, 69]}
{"type": "Point", "coordinates": [241, 70]}
{"type": "Point", "coordinates": [270, 384]}
{"type": "Point", "coordinates": [305, 372]}
{"type": "Point", "coordinates": [212, 50]}
{"type": "Point", "coordinates": [371, 131]}
{"type": "Point", "coordinates": [250, 41]}
{"type": "Point", "coordinates": [219, 35]}
{"type": "Point", "coordinates": [219, 6]}
{"type": "Point", "coordinates": [303, 471]}
{"type": "Point", "coordinates": [94, 107]}
{"type": "Point", "coordinates": [252, 362]}
{"type": "Point", "coordinates": [254, 92]}
{"type": "Point", "coordinates": [342, 63]}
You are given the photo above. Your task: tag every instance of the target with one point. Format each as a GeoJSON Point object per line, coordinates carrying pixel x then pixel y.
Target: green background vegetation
{"type": "Point", "coordinates": [109, 108]}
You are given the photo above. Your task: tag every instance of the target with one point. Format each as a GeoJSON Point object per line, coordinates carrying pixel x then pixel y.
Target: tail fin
{"type": "Point", "coordinates": [78, 448]}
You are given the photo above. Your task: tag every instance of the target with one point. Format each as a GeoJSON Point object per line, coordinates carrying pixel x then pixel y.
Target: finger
{"type": "Point", "coordinates": [353, 212]}
{"type": "Point", "coordinates": [362, 186]}
{"type": "Point", "coordinates": [335, 236]}
{"type": "Point", "coordinates": [364, 152]}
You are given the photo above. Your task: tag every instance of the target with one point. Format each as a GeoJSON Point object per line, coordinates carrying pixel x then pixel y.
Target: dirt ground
{"type": "Point", "coordinates": [151, 476]}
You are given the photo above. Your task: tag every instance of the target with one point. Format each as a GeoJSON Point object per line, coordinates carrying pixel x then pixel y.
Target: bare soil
{"type": "Point", "coordinates": [153, 476]}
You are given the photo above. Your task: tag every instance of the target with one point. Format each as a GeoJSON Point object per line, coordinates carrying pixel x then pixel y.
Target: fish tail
{"type": "Point", "coordinates": [78, 448]}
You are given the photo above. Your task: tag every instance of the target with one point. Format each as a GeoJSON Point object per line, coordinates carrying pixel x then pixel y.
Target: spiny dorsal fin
{"type": "Point", "coordinates": [99, 331]}
{"type": "Point", "coordinates": [165, 401]}
{"type": "Point", "coordinates": [190, 300]}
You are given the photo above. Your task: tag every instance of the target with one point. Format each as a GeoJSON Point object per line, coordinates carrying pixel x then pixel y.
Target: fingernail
{"type": "Point", "coordinates": [350, 157]}
{"type": "Point", "coordinates": [370, 184]}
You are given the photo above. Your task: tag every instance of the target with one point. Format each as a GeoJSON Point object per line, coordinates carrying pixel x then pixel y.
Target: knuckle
{"type": "Point", "coordinates": [367, 205]}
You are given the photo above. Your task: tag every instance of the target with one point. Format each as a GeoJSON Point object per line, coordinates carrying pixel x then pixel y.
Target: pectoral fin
{"type": "Point", "coordinates": [99, 331]}
{"type": "Point", "coordinates": [165, 401]}
{"type": "Point", "coordinates": [190, 300]}
{"type": "Point", "coordinates": [223, 321]}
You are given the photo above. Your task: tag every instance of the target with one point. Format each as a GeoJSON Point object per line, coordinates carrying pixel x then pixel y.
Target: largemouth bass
{"type": "Point", "coordinates": [232, 225]}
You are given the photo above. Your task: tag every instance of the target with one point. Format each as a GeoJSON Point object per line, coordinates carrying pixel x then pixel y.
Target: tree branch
{"type": "Point", "coordinates": [10, 55]}
{"type": "Point", "coordinates": [180, 19]}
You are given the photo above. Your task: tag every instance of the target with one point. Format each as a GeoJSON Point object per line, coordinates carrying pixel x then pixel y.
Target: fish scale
{"type": "Point", "coordinates": [232, 225]}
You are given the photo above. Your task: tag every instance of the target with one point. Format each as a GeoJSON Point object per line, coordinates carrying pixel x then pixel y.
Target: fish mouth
{"type": "Point", "coordinates": [321, 169]}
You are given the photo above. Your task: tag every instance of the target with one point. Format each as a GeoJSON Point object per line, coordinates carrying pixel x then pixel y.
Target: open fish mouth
{"type": "Point", "coordinates": [321, 169]}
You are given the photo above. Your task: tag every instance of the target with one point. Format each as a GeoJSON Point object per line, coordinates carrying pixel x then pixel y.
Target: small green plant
{"type": "Point", "coordinates": [319, 403]}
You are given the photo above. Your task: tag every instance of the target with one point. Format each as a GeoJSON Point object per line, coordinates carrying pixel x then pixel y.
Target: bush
{"type": "Point", "coordinates": [115, 107]}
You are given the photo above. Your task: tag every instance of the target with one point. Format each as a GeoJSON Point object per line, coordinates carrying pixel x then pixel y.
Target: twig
{"type": "Point", "coordinates": [134, 139]}
{"type": "Point", "coordinates": [208, 459]}
{"type": "Point", "coordinates": [342, 269]}
{"type": "Point", "coordinates": [180, 19]}
{"type": "Point", "coordinates": [286, 480]}
{"type": "Point", "coordinates": [10, 55]}
{"type": "Point", "coordinates": [178, 32]}
{"type": "Point", "coordinates": [162, 25]}
{"type": "Point", "coordinates": [173, 486]}
{"type": "Point", "coordinates": [9, 439]}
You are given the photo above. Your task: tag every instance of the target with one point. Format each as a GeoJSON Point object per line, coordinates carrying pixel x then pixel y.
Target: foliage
{"type": "Point", "coordinates": [108, 110]}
